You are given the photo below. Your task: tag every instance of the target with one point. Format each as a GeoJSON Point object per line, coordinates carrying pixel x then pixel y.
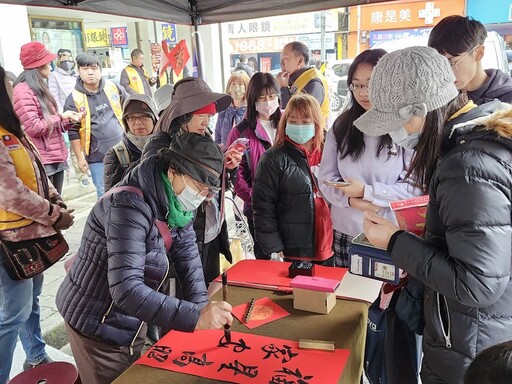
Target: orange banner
{"type": "Point", "coordinates": [397, 15]}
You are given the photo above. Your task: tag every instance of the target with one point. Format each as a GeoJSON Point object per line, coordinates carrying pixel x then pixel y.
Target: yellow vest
{"type": "Point", "coordinates": [82, 104]}
{"type": "Point", "coordinates": [135, 80]}
{"type": "Point", "coordinates": [165, 77]}
{"type": "Point", "coordinates": [24, 171]}
{"type": "Point", "coordinates": [308, 75]}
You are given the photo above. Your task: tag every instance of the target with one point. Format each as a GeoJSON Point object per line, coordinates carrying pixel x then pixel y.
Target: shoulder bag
{"type": "Point", "coordinates": [28, 258]}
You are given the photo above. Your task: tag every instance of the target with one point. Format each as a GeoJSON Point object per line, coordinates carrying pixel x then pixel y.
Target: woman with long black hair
{"type": "Point", "coordinates": [30, 208]}
{"type": "Point", "coordinates": [37, 111]}
{"type": "Point", "coordinates": [259, 126]}
{"type": "Point", "coordinates": [373, 167]}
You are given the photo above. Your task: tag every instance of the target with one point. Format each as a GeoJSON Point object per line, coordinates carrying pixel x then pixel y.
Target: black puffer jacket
{"type": "Point", "coordinates": [113, 284]}
{"type": "Point", "coordinates": [283, 203]}
{"type": "Point", "coordinates": [465, 259]}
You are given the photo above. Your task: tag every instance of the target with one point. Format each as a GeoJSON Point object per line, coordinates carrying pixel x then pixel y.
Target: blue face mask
{"type": "Point", "coordinates": [403, 139]}
{"type": "Point", "coordinates": [300, 133]}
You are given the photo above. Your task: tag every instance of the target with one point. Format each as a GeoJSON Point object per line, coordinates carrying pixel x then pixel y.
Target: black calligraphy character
{"type": "Point", "coordinates": [189, 358]}
{"type": "Point", "coordinates": [265, 26]}
{"type": "Point", "coordinates": [238, 347]}
{"type": "Point", "coordinates": [253, 27]}
{"type": "Point", "coordinates": [239, 368]}
{"type": "Point", "coordinates": [272, 349]}
{"type": "Point", "coordinates": [159, 353]}
{"type": "Point", "coordinates": [241, 28]}
{"type": "Point", "coordinates": [283, 375]}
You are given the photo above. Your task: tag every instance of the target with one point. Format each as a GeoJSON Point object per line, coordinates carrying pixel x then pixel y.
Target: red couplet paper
{"type": "Point", "coordinates": [246, 359]}
{"type": "Point", "coordinates": [264, 311]}
{"type": "Point", "coordinates": [267, 274]}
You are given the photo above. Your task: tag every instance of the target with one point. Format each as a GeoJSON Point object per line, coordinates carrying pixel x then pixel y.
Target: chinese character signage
{"type": "Point", "coordinates": [407, 15]}
{"type": "Point", "coordinates": [176, 57]}
{"type": "Point", "coordinates": [397, 34]}
{"type": "Point", "coordinates": [246, 358]}
{"type": "Point", "coordinates": [119, 36]}
{"type": "Point", "coordinates": [169, 33]}
{"type": "Point", "coordinates": [98, 37]}
{"type": "Point", "coordinates": [282, 25]}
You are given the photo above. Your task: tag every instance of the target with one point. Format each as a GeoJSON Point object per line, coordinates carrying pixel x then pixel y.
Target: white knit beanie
{"type": "Point", "coordinates": [406, 83]}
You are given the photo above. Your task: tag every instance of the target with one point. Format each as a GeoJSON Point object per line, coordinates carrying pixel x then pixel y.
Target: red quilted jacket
{"type": "Point", "coordinates": [46, 135]}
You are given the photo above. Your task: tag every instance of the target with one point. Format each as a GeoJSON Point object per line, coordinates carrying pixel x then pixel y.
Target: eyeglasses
{"type": "Point", "coordinates": [454, 64]}
{"type": "Point", "coordinates": [141, 118]}
{"type": "Point", "coordinates": [205, 192]}
{"type": "Point", "coordinates": [358, 87]}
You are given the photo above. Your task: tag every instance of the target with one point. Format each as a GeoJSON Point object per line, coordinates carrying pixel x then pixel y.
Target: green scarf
{"type": "Point", "coordinates": [176, 217]}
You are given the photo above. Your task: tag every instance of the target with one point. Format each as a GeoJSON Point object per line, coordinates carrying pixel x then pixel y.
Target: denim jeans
{"type": "Point", "coordinates": [19, 315]}
{"type": "Point", "coordinates": [97, 170]}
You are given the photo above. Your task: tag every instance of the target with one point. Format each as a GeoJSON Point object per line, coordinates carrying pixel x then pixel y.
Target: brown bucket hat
{"type": "Point", "coordinates": [189, 95]}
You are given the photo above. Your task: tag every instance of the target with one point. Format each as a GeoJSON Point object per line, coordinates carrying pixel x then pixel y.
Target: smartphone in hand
{"type": "Point", "coordinates": [336, 183]}
{"type": "Point", "coordinates": [240, 145]}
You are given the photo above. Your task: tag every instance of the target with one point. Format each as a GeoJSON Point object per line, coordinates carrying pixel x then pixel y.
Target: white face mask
{"type": "Point", "coordinates": [403, 139]}
{"type": "Point", "coordinates": [267, 108]}
{"type": "Point", "coordinates": [189, 198]}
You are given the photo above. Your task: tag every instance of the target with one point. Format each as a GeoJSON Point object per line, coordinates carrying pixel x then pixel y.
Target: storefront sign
{"type": "Point", "coordinates": [406, 15]}
{"type": "Point", "coordinates": [98, 37]}
{"type": "Point", "coordinates": [266, 64]}
{"type": "Point", "coordinates": [379, 36]}
{"type": "Point", "coordinates": [283, 25]}
{"type": "Point", "coordinates": [156, 55]}
{"type": "Point", "coordinates": [314, 41]}
{"type": "Point", "coordinates": [499, 12]}
{"type": "Point", "coordinates": [119, 36]}
{"type": "Point", "coordinates": [261, 44]}
{"type": "Point", "coordinates": [169, 33]}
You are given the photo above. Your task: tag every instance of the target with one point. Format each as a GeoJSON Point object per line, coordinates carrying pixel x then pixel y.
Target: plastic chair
{"type": "Point", "coordinates": [57, 372]}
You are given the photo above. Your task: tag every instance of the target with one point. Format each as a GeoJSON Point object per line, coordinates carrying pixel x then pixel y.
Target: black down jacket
{"type": "Point", "coordinates": [465, 259]}
{"type": "Point", "coordinates": [283, 203]}
{"type": "Point", "coordinates": [113, 284]}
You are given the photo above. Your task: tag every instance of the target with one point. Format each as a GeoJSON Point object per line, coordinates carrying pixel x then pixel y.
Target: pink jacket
{"type": "Point", "coordinates": [18, 198]}
{"type": "Point", "coordinates": [46, 135]}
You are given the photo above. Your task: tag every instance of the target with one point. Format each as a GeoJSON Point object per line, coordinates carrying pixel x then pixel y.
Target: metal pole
{"type": "Point", "coordinates": [222, 62]}
{"type": "Point", "coordinates": [137, 35]}
{"type": "Point", "coordinates": [196, 19]}
{"type": "Point", "coordinates": [322, 36]}
{"type": "Point", "coordinates": [154, 31]}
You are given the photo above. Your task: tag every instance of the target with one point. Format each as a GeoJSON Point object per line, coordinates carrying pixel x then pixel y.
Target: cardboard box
{"type": "Point", "coordinates": [313, 301]}
{"type": "Point", "coordinates": [411, 213]}
{"type": "Point", "coordinates": [314, 294]}
{"type": "Point", "coordinates": [370, 261]}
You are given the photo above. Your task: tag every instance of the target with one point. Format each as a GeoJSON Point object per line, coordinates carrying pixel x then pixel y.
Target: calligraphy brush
{"type": "Point", "coordinates": [227, 328]}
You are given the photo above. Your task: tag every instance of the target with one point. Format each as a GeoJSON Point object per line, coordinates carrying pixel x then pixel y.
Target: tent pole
{"type": "Point", "coordinates": [196, 19]}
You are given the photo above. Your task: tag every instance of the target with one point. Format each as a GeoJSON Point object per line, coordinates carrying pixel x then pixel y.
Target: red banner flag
{"type": "Point", "coordinates": [177, 58]}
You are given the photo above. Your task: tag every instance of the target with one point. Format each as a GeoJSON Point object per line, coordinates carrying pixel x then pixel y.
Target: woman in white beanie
{"type": "Point", "coordinates": [463, 159]}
